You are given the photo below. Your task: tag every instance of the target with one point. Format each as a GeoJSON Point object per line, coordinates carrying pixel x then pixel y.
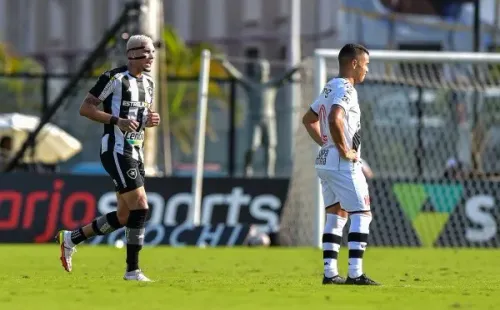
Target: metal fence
{"type": "Point", "coordinates": [230, 124]}
{"type": "Point", "coordinates": [424, 122]}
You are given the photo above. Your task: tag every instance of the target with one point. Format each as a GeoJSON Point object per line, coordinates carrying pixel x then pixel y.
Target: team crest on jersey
{"type": "Point", "coordinates": [132, 173]}
{"type": "Point", "coordinates": [150, 91]}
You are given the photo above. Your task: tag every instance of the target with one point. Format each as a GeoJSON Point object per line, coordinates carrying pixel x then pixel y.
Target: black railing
{"type": "Point", "coordinates": [41, 91]}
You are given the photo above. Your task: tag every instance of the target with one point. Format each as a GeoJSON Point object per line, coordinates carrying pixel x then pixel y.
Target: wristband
{"type": "Point", "coordinates": [113, 120]}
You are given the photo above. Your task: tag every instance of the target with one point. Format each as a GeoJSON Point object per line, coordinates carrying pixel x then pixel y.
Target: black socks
{"type": "Point", "coordinates": [134, 233]}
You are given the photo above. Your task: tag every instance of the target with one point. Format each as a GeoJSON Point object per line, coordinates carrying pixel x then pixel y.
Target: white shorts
{"type": "Point", "coordinates": [348, 187]}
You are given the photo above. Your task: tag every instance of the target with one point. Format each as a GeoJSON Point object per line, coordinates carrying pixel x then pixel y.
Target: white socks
{"type": "Point", "coordinates": [332, 238]}
{"type": "Point", "coordinates": [357, 241]}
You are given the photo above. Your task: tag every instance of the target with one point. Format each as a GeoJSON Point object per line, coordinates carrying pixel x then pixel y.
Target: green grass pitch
{"type": "Point", "coordinates": [243, 278]}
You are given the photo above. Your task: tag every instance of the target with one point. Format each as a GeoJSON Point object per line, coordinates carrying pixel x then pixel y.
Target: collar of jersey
{"type": "Point", "coordinates": [135, 77]}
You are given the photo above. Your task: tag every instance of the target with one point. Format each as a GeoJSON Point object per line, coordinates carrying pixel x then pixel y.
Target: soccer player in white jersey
{"type": "Point", "coordinates": [333, 122]}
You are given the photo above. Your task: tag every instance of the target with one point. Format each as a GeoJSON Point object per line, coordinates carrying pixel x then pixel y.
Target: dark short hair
{"type": "Point", "coordinates": [351, 51]}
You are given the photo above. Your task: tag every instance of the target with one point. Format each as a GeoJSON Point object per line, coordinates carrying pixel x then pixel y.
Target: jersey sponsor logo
{"type": "Point", "coordinates": [132, 173]}
{"type": "Point", "coordinates": [135, 138]}
{"type": "Point", "coordinates": [135, 104]}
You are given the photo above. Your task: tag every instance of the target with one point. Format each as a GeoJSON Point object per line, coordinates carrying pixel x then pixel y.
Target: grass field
{"type": "Point", "coordinates": [189, 278]}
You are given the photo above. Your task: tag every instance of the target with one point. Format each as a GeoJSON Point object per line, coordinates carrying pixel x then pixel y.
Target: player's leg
{"type": "Point", "coordinates": [352, 189]}
{"type": "Point", "coordinates": [336, 219]}
{"type": "Point", "coordinates": [105, 224]}
{"type": "Point", "coordinates": [135, 198]}
{"type": "Point", "coordinates": [357, 241]}
{"type": "Point", "coordinates": [102, 225]}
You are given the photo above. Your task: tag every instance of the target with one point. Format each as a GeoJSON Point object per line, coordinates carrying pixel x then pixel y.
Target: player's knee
{"type": "Point", "coordinates": [142, 202]}
{"type": "Point", "coordinates": [360, 222]}
{"type": "Point", "coordinates": [136, 199]}
{"type": "Point", "coordinates": [122, 217]}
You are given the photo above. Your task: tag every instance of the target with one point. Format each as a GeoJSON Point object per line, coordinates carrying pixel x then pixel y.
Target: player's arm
{"type": "Point", "coordinates": [367, 170]}
{"type": "Point", "coordinates": [336, 124]}
{"type": "Point", "coordinates": [153, 118]}
{"type": "Point", "coordinates": [90, 106]}
{"type": "Point", "coordinates": [311, 123]}
{"type": "Point", "coordinates": [90, 110]}
{"type": "Point", "coordinates": [104, 87]}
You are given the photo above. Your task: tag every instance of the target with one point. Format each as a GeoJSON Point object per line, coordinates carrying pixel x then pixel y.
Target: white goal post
{"type": "Point", "coordinates": [468, 72]}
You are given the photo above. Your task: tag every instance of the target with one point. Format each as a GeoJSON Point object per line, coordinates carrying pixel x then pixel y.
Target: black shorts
{"type": "Point", "coordinates": [126, 172]}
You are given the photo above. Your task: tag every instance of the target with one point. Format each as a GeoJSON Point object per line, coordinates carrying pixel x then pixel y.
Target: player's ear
{"type": "Point", "coordinates": [354, 63]}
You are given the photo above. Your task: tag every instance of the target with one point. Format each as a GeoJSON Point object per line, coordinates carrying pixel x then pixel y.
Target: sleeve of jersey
{"type": "Point", "coordinates": [103, 87]}
{"type": "Point", "coordinates": [315, 107]}
{"type": "Point", "coordinates": [343, 98]}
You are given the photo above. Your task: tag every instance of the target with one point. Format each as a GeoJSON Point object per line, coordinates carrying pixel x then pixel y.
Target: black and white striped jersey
{"type": "Point", "coordinates": [128, 97]}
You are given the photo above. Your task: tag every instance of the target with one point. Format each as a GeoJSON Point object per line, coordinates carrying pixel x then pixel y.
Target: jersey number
{"type": "Point", "coordinates": [321, 158]}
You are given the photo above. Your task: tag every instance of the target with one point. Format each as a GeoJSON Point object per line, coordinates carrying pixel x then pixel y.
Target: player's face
{"type": "Point", "coordinates": [147, 55]}
{"type": "Point", "coordinates": [361, 67]}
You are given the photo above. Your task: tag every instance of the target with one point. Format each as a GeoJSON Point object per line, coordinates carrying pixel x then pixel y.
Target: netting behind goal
{"type": "Point", "coordinates": [430, 133]}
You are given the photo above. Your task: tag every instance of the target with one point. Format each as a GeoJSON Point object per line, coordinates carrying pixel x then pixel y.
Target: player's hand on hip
{"type": "Point", "coordinates": [128, 124]}
{"type": "Point", "coordinates": [352, 155]}
{"type": "Point", "coordinates": [153, 119]}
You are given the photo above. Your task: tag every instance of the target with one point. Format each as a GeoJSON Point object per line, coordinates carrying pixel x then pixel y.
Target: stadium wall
{"type": "Point", "coordinates": [439, 213]}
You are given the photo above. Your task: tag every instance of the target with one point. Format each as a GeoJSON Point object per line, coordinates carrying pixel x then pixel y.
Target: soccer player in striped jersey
{"type": "Point", "coordinates": [333, 122]}
{"type": "Point", "coordinates": [126, 94]}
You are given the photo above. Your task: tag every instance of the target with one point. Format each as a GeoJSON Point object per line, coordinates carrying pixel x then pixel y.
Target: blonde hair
{"type": "Point", "coordinates": [138, 40]}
